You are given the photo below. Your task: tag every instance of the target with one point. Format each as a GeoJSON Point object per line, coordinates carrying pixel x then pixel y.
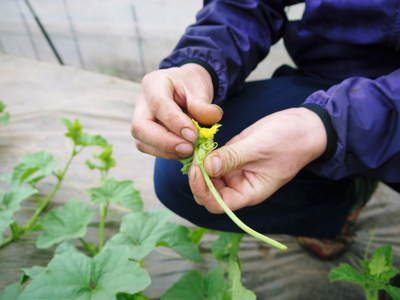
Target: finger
{"type": "Point", "coordinates": [142, 147]}
{"type": "Point", "coordinates": [153, 134]}
{"type": "Point", "coordinates": [201, 193]}
{"type": "Point", "coordinates": [228, 158]}
{"type": "Point", "coordinates": [158, 91]}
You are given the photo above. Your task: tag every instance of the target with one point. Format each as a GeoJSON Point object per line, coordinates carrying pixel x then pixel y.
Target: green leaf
{"type": "Point", "coordinates": [74, 276]}
{"type": "Point", "coordinates": [5, 118]}
{"type": "Point", "coordinates": [237, 290]}
{"type": "Point", "coordinates": [177, 237]}
{"type": "Point", "coordinates": [31, 273]}
{"type": "Point", "coordinates": [193, 286]}
{"type": "Point", "coordinates": [64, 223]}
{"type": "Point", "coordinates": [33, 168]}
{"type": "Point", "coordinates": [122, 192]}
{"type": "Point", "coordinates": [137, 296]}
{"type": "Point", "coordinates": [66, 246]}
{"type": "Point", "coordinates": [381, 260]}
{"type": "Point", "coordinates": [80, 138]}
{"type": "Point", "coordinates": [226, 246]}
{"type": "Point", "coordinates": [106, 161]}
{"type": "Point", "coordinates": [189, 287]}
{"type": "Point", "coordinates": [394, 292]}
{"type": "Point", "coordinates": [347, 273]}
{"type": "Point", "coordinates": [215, 284]}
{"type": "Point", "coordinates": [141, 232]}
{"type": "Point", "coordinates": [6, 218]}
{"type": "Point", "coordinates": [196, 234]}
{"type": "Point", "coordinates": [11, 199]}
{"type": "Point", "coordinates": [11, 292]}
{"type": "Point", "coordinates": [2, 106]}
{"type": "Point", "coordinates": [186, 164]}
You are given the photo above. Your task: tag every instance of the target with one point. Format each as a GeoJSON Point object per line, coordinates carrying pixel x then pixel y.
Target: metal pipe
{"type": "Point", "coordinates": [27, 28]}
{"type": "Point", "coordinates": [139, 38]}
{"type": "Point", "coordinates": [44, 32]}
{"type": "Point", "coordinates": [74, 34]}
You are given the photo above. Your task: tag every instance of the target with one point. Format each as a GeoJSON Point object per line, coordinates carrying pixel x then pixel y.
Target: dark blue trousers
{"type": "Point", "coordinates": [308, 205]}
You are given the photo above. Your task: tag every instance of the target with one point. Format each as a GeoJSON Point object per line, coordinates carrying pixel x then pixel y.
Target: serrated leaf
{"type": "Point", "coordinates": [215, 284]}
{"type": "Point", "coordinates": [394, 292]}
{"type": "Point", "coordinates": [66, 246]}
{"type": "Point", "coordinates": [122, 192]}
{"type": "Point", "coordinates": [194, 286]}
{"type": "Point", "coordinates": [11, 199]}
{"type": "Point", "coordinates": [189, 287]}
{"type": "Point", "coordinates": [33, 168]}
{"type": "Point", "coordinates": [5, 118]}
{"type": "Point", "coordinates": [79, 137]}
{"type": "Point", "coordinates": [64, 223]}
{"type": "Point", "coordinates": [177, 238]}
{"type": "Point", "coordinates": [31, 273]}
{"type": "Point", "coordinates": [74, 276]}
{"type": "Point", "coordinates": [196, 234]}
{"type": "Point", "coordinates": [6, 218]}
{"type": "Point", "coordinates": [226, 246]}
{"type": "Point", "coordinates": [11, 292]}
{"type": "Point", "coordinates": [140, 232]}
{"type": "Point", "coordinates": [106, 161]}
{"type": "Point", "coordinates": [381, 260]}
{"type": "Point", "coordinates": [237, 290]}
{"type": "Point", "coordinates": [347, 273]}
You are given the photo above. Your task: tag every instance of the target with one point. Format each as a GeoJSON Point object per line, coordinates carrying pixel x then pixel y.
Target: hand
{"type": "Point", "coordinates": [261, 159]}
{"type": "Point", "coordinates": [162, 123]}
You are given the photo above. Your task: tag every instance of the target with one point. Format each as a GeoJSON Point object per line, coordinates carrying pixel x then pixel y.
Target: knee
{"type": "Point", "coordinates": [170, 184]}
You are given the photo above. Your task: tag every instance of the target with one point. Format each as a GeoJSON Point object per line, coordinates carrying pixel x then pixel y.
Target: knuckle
{"type": "Point", "coordinates": [140, 147]}
{"type": "Point", "coordinates": [135, 130]}
{"type": "Point", "coordinates": [233, 158]}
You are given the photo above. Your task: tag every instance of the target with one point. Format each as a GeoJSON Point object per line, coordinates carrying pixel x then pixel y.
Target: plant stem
{"type": "Point", "coordinates": [41, 205]}
{"type": "Point", "coordinates": [234, 218]}
{"type": "Point", "coordinates": [372, 294]}
{"type": "Point", "coordinates": [102, 223]}
{"type": "Point", "coordinates": [89, 247]}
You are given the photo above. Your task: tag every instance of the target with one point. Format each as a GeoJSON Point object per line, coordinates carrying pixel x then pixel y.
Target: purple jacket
{"type": "Point", "coordinates": [354, 41]}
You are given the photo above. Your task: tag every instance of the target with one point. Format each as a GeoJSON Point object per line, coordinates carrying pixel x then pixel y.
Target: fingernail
{"type": "Point", "coordinates": [189, 134]}
{"type": "Point", "coordinates": [184, 149]}
{"type": "Point", "coordinates": [193, 173]}
{"type": "Point", "coordinates": [216, 165]}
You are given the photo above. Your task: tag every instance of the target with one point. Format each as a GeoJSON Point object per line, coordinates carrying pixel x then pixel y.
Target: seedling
{"type": "Point", "coordinates": [375, 274]}
{"type": "Point", "coordinates": [4, 116]}
{"type": "Point", "coordinates": [203, 146]}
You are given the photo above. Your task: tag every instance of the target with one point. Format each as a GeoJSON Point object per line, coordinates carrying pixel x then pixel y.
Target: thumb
{"type": "Point", "coordinates": [201, 109]}
{"type": "Point", "coordinates": [227, 159]}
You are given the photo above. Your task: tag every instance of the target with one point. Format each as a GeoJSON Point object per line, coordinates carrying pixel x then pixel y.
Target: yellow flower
{"type": "Point", "coordinates": [207, 133]}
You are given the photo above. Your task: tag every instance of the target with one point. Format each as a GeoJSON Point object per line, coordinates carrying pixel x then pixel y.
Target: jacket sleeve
{"type": "Point", "coordinates": [365, 115]}
{"type": "Point", "coordinates": [229, 38]}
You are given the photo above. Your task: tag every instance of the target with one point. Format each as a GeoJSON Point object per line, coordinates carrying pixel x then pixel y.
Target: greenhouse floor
{"type": "Point", "coordinates": [38, 94]}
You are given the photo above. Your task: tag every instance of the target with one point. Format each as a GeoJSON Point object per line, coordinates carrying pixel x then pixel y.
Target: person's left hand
{"type": "Point", "coordinates": [261, 159]}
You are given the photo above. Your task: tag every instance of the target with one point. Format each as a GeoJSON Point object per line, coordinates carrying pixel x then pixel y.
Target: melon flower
{"type": "Point", "coordinates": [202, 147]}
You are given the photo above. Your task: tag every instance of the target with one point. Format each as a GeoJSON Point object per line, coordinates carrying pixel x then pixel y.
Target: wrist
{"type": "Point", "coordinates": [313, 132]}
{"type": "Point", "coordinates": [205, 70]}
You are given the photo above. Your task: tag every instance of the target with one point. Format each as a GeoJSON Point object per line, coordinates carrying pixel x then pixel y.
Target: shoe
{"type": "Point", "coordinates": [328, 249]}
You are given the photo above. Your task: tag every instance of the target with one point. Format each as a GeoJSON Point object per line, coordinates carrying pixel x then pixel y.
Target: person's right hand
{"type": "Point", "coordinates": [162, 123]}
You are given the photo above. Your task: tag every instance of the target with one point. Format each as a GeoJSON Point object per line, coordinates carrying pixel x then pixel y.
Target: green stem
{"type": "Point", "coordinates": [102, 223]}
{"type": "Point", "coordinates": [41, 205]}
{"type": "Point", "coordinates": [89, 247]}
{"type": "Point", "coordinates": [372, 294]}
{"type": "Point", "coordinates": [234, 218]}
